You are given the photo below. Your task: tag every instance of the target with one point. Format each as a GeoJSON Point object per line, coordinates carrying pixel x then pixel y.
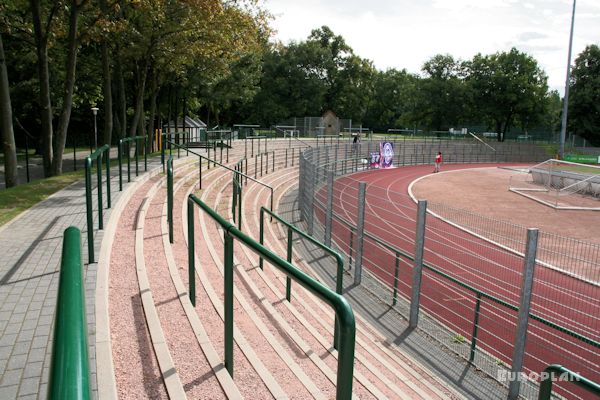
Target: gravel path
{"type": "Point", "coordinates": [136, 368]}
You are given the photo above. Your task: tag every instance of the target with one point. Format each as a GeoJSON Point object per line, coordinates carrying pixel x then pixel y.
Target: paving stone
{"type": "Point", "coordinates": [29, 386]}
{"type": "Point", "coordinates": [8, 392]}
{"type": "Point", "coordinates": [33, 369]}
{"type": "Point", "coordinates": [21, 348]}
{"type": "Point", "coordinates": [16, 362]}
{"type": "Point", "coordinates": [11, 378]}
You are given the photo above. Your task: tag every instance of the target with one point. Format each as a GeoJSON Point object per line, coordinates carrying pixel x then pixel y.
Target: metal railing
{"type": "Point", "coordinates": [234, 170]}
{"type": "Point", "coordinates": [343, 311]}
{"type": "Point", "coordinates": [565, 375]}
{"type": "Point", "coordinates": [96, 155]}
{"type": "Point", "coordinates": [315, 168]}
{"type": "Point", "coordinates": [339, 281]}
{"type": "Point", "coordinates": [69, 370]}
{"type": "Point", "coordinates": [127, 141]}
{"type": "Point", "coordinates": [170, 197]}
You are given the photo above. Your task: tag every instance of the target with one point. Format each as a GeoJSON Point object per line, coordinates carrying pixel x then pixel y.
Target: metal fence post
{"type": "Point", "coordinates": [89, 209]}
{"type": "Point", "coordinates": [99, 185]}
{"type": "Point", "coordinates": [288, 281]}
{"type": "Point", "coordinates": [418, 268]}
{"type": "Point", "coordinates": [360, 234]}
{"type": "Point", "coordinates": [191, 251]}
{"type": "Point", "coordinates": [329, 214]}
{"type": "Point", "coordinates": [228, 301]}
{"type": "Point", "coordinates": [523, 318]}
{"type": "Point", "coordinates": [108, 205]}
{"type": "Point", "coordinates": [311, 198]}
{"type": "Point", "coordinates": [120, 159]}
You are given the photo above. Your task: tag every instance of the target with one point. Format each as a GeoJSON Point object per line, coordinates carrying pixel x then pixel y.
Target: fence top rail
{"type": "Point", "coordinates": [338, 258]}
{"type": "Point", "coordinates": [224, 166]}
{"type": "Point", "coordinates": [336, 301]}
{"type": "Point", "coordinates": [98, 152]}
{"type": "Point", "coordinates": [256, 137]}
{"type": "Point", "coordinates": [575, 378]}
{"type": "Point", "coordinates": [132, 138]}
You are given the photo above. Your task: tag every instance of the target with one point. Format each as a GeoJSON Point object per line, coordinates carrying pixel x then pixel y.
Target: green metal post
{"type": "Point", "coordinates": [120, 158]}
{"type": "Point", "coordinates": [396, 271]}
{"type": "Point", "coordinates": [170, 197]}
{"type": "Point", "coordinates": [162, 150]}
{"type": "Point", "coordinates": [69, 371]}
{"type": "Point", "coordinates": [99, 175]}
{"type": "Point", "coordinates": [240, 206]}
{"type": "Point", "coordinates": [288, 281]}
{"type": "Point", "coordinates": [128, 161]}
{"type": "Point", "coordinates": [88, 203]}
{"type": "Point", "coordinates": [233, 198]}
{"type": "Point", "coordinates": [565, 374]}
{"type": "Point", "coordinates": [261, 235]}
{"type": "Point", "coordinates": [286, 157]}
{"type": "Point", "coordinates": [108, 205]}
{"type": "Point", "coordinates": [191, 251]}
{"type": "Point", "coordinates": [475, 328]}
{"type": "Point", "coordinates": [145, 153]}
{"type": "Point", "coordinates": [228, 301]}
{"type": "Point", "coordinates": [137, 152]}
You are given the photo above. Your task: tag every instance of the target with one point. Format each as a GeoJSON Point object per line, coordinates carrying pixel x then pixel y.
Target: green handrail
{"type": "Point", "coordinates": [227, 168]}
{"type": "Point", "coordinates": [343, 311]}
{"type": "Point", "coordinates": [578, 380]}
{"type": "Point", "coordinates": [69, 370]}
{"type": "Point", "coordinates": [120, 157]}
{"type": "Point", "coordinates": [339, 284]}
{"type": "Point", "coordinates": [96, 155]}
{"type": "Point", "coordinates": [170, 197]}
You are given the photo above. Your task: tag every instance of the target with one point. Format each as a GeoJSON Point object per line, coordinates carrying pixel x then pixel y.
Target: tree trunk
{"type": "Point", "coordinates": [6, 125]}
{"type": "Point", "coordinates": [139, 106]}
{"type": "Point", "coordinates": [41, 44]}
{"type": "Point", "coordinates": [121, 99]}
{"type": "Point", "coordinates": [153, 97]}
{"type": "Point", "coordinates": [107, 84]}
{"type": "Point", "coordinates": [107, 89]}
{"type": "Point", "coordinates": [65, 115]}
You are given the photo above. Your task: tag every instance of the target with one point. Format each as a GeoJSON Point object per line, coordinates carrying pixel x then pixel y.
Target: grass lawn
{"type": "Point", "coordinates": [14, 201]}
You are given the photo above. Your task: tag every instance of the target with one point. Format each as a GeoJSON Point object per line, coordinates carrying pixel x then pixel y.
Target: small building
{"type": "Point", "coordinates": [331, 123]}
{"type": "Point", "coordinates": [193, 126]}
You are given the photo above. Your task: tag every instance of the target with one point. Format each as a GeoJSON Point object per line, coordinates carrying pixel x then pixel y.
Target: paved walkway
{"type": "Point", "coordinates": [31, 248]}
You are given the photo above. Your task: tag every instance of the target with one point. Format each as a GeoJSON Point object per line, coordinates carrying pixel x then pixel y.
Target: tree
{"type": "Point", "coordinates": [584, 100]}
{"type": "Point", "coordinates": [507, 89]}
{"type": "Point", "coordinates": [6, 125]}
{"type": "Point", "coordinates": [442, 92]}
{"type": "Point", "coordinates": [393, 100]}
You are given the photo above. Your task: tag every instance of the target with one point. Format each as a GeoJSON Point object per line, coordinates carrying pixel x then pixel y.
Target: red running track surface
{"type": "Point", "coordinates": [564, 300]}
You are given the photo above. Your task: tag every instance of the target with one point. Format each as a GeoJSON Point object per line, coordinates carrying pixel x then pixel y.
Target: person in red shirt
{"type": "Point", "coordinates": [438, 162]}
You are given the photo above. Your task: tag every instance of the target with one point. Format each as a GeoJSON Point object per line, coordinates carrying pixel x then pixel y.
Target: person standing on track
{"type": "Point", "coordinates": [438, 162]}
{"type": "Point", "coordinates": [355, 143]}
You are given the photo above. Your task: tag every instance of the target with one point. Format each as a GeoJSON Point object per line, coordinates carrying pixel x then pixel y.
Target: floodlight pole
{"type": "Point", "coordinates": [563, 125]}
{"type": "Point", "coordinates": [95, 111]}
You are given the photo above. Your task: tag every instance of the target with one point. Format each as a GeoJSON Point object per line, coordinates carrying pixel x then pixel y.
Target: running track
{"type": "Point", "coordinates": [390, 214]}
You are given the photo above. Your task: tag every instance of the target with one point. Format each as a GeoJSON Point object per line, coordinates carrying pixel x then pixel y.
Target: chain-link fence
{"type": "Point", "coordinates": [492, 300]}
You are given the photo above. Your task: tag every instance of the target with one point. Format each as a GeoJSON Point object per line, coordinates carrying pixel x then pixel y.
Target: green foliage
{"type": "Point", "coordinates": [507, 89]}
{"type": "Point", "coordinates": [584, 98]}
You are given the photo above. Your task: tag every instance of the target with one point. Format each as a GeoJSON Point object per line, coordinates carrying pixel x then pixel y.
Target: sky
{"type": "Point", "coordinates": [404, 34]}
